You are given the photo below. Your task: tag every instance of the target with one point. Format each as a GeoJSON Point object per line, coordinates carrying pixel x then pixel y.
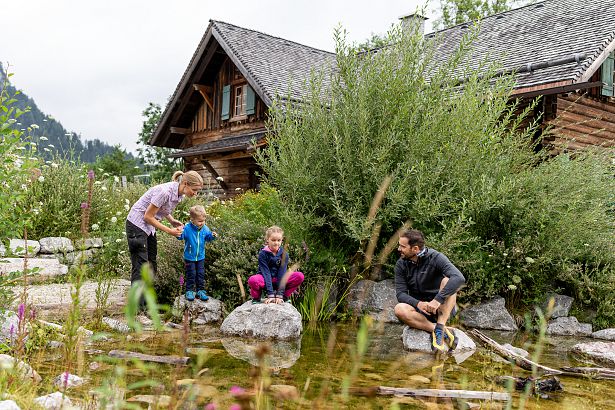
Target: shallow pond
{"type": "Point", "coordinates": [317, 366]}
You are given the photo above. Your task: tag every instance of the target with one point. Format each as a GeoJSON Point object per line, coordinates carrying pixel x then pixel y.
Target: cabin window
{"type": "Point", "coordinates": [240, 100]}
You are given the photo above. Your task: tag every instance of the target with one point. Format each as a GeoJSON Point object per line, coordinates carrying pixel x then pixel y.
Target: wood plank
{"type": "Point", "coordinates": [581, 134]}
{"type": "Point", "coordinates": [587, 111]}
{"type": "Point", "coordinates": [590, 102]}
{"type": "Point", "coordinates": [438, 393]}
{"type": "Point", "coordinates": [203, 90]}
{"type": "Point", "coordinates": [123, 354]}
{"type": "Point", "coordinates": [179, 130]}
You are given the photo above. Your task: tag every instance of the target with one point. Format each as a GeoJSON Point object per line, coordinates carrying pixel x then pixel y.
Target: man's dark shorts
{"type": "Point", "coordinates": [434, 318]}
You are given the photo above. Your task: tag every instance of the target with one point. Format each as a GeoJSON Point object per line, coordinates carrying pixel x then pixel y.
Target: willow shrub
{"type": "Point", "coordinates": [462, 170]}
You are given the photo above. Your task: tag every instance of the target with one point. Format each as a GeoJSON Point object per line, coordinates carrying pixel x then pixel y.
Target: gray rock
{"type": "Point", "coordinates": [83, 256]}
{"type": "Point", "coordinates": [54, 344]}
{"type": "Point", "coordinates": [419, 340]}
{"type": "Point", "coordinates": [517, 350]}
{"type": "Point", "coordinates": [115, 324]}
{"type": "Point", "coordinates": [22, 368]}
{"type": "Point", "coordinates": [39, 268]}
{"type": "Point", "coordinates": [265, 321]}
{"type": "Point", "coordinates": [18, 247]}
{"type": "Point", "coordinates": [9, 327]}
{"type": "Point", "coordinates": [606, 334]}
{"type": "Point", "coordinates": [54, 401]}
{"type": "Point", "coordinates": [2, 249]}
{"type": "Point", "coordinates": [9, 405]}
{"type": "Point", "coordinates": [601, 352]}
{"type": "Point", "coordinates": [489, 315]}
{"type": "Point", "coordinates": [89, 243]}
{"type": "Point", "coordinates": [568, 326]}
{"type": "Point", "coordinates": [561, 307]}
{"type": "Point", "coordinates": [56, 244]}
{"type": "Point", "coordinates": [200, 312]}
{"type": "Point", "coordinates": [282, 354]}
{"type": "Point", "coordinates": [63, 380]}
{"type": "Point", "coordinates": [375, 298]}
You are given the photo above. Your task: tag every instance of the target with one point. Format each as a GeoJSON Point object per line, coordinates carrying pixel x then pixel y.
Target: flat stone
{"type": "Point", "coordinates": [18, 247]}
{"type": "Point", "coordinates": [54, 300]}
{"type": "Point", "coordinates": [420, 341]}
{"type": "Point", "coordinates": [561, 306]}
{"type": "Point", "coordinates": [9, 405]}
{"type": "Point", "coordinates": [265, 321]}
{"type": "Point", "coordinates": [568, 326]}
{"type": "Point", "coordinates": [89, 243]}
{"type": "Point", "coordinates": [606, 334]}
{"type": "Point", "coordinates": [56, 244]}
{"type": "Point", "coordinates": [54, 401]}
{"type": "Point", "coordinates": [489, 315]}
{"type": "Point", "coordinates": [200, 313]}
{"type": "Point", "coordinates": [281, 354]}
{"type": "Point", "coordinates": [601, 352]}
{"type": "Point", "coordinates": [23, 368]}
{"type": "Point", "coordinates": [377, 299]}
{"type": "Point", "coordinates": [9, 327]}
{"type": "Point", "coordinates": [38, 268]}
{"type": "Point", "coordinates": [284, 392]}
{"type": "Point", "coordinates": [116, 325]}
{"type": "Point", "coordinates": [156, 401]}
{"type": "Point", "coordinates": [63, 380]}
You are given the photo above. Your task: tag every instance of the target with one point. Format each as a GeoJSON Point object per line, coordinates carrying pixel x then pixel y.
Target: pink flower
{"type": "Point", "coordinates": [211, 406]}
{"type": "Point", "coordinates": [235, 390]}
{"type": "Point", "coordinates": [235, 406]}
{"type": "Point", "coordinates": [66, 374]}
{"type": "Point", "coordinates": [20, 311]}
{"type": "Point", "coordinates": [84, 205]}
{"type": "Point", "coordinates": [91, 174]}
{"type": "Point", "coordinates": [181, 280]}
{"type": "Point", "coordinates": [11, 331]}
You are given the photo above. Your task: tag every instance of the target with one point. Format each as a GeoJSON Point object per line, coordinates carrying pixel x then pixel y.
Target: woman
{"type": "Point", "coordinates": [144, 218]}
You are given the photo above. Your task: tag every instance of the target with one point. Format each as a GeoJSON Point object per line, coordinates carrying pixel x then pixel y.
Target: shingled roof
{"type": "Point", "coordinates": [543, 31]}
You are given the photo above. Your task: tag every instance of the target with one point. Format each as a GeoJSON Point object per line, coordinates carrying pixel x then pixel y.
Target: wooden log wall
{"type": "Point", "coordinates": [582, 122]}
{"type": "Point", "coordinates": [236, 173]}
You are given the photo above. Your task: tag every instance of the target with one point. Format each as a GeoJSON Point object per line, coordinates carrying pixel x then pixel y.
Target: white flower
{"type": "Point", "coordinates": [127, 201]}
{"type": "Point", "coordinates": [126, 207]}
{"type": "Point", "coordinates": [51, 145]}
{"type": "Point", "coordinates": [104, 188]}
{"type": "Point", "coordinates": [33, 144]}
{"type": "Point", "coordinates": [118, 213]}
{"type": "Point", "coordinates": [237, 189]}
{"type": "Point", "coordinates": [114, 219]}
{"type": "Point", "coordinates": [11, 121]}
{"type": "Point", "coordinates": [508, 266]}
{"type": "Point", "coordinates": [97, 183]}
{"type": "Point", "coordinates": [41, 178]}
{"type": "Point", "coordinates": [21, 148]}
{"type": "Point", "coordinates": [46, 149]}
{"type": "Point", "coordinates": [34, 126]}
{"type": "Point", "coordinates": [43, 138]}
{"type": "Point", "coordinates": [106, 174]}
{"type": "Point", "coordinates": [124, 233]}
{"type": "Point", "coordinates": [512, 287]}
{"type": "Point", "coordinates": [219, 179]}
{"type": "Point", "coordinates": [118, 240]}
{"type": "Point", "coordinates": [54, 165]}
{"type": "Point", "coordinates": [95, 227]}
{"type": "Point", "coordinates": [116, 179]}
{"type": "Point", "coordinates": [100, 169]}
{"type": "Point", "coordinates": [136, 167]}
{"type": "Point", "coordinates": [505, 254]}
{"type": "Point", "coordinates": [35, 211]}
{"type": "Point", "coordinates": [24, 187]}
{"type": "Point", "coordinates": [529, 260]}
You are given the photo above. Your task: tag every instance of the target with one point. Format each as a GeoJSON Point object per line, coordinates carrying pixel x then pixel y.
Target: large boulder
{"type": "Point", "coordinates": [9, 327]}
{"type": "Point", "coordinates": [489, 315]}
{"type": "Point", "coordinates": [18, 247]}
{"type": "Point", "coordinates": [561, 306]}
{"type": "Point", "coordinates": [23, 369]}
{"type": "Point", "coordinates": [54, 401]}
{"type": "Point", "coordinates": [199, 312]}
{"type": "Point", "coordinates": [265, 321]}
{"type": "Point", "coordinates": [56, 244]}
{"type": "Point", "coordinates": [374, 298]}
{"type": "Point", "coordinates": [420, 341]}
{"type": "Point", "coordinates": [89, 243]}
{"type": "Point", "coordinates": [8, 405]}
{"type": "Point", "coordinates": [606, 334]}
{"type": "Point", "coordinates": [568, 326]}
{"type": "Point", "coordinates": [600, 352]}
{"type": "Point", "coordinates": [279, 354]}
{"type": "Point", "coordinates": [39, 268]}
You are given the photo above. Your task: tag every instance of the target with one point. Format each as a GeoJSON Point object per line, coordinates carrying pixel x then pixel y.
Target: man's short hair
{"type": "Point", "coordinates": [414, 237]}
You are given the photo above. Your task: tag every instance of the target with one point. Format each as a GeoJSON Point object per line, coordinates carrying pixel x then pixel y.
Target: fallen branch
{"type": "Point", "coordinates": [536, 385]}
{"type": "Point", "coordinates": [594, 372]}
{"type": "Point", "coordinates": [122, 354]}
{"type": "Point", "coordinates": [515, 358]}
{"type": "Point", "coordinates": [458, 394]}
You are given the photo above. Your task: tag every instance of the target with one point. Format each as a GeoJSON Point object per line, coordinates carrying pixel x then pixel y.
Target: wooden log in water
{"type": "Point", "coordinates": [509, 355]}
{"type": "Point", "coordinates": [122, 354]}
{"type": "Point", "coordinates": [438, 393]}
{"type": "Point", "coordinates": [600, 373]}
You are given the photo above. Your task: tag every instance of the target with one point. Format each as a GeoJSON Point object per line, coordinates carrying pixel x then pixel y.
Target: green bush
{"type": "Point", "coordinates": [462, 171]}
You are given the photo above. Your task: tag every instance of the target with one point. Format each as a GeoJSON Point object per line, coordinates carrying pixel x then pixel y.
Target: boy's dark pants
{"type": "Point", "coordinates": [143, 249]}
{"type": "Point", "coordinates": [195, 275]}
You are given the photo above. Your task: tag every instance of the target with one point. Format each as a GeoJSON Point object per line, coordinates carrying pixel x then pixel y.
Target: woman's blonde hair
{"type": "Point", "coordinates": [196, 211]}
{"type": "Point", "coordinates": [192, 178]}
{"type": "Point", "coordinates": [273, 229]}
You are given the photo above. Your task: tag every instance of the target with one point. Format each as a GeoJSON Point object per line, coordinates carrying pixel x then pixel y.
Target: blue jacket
{"type": "Point", "coordinates": [271, 266]}
{"type": "Point", "coordinates": [195, 238]}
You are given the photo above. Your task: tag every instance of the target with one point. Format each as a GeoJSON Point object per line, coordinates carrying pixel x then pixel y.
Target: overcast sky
{"type": "Point", "coordinates": [95, 65]}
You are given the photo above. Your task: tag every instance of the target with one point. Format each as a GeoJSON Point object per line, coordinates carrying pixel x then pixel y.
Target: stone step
{"type": "Point", "coordinates": [54, 300]}
{"type": "Point", "coordinates": [45, 268]}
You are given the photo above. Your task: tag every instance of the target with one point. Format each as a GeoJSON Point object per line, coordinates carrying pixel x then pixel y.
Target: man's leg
{"type": "Point", "coordinates": [446, 308]}
{"type": "Point", "coordinates": [410, 316]}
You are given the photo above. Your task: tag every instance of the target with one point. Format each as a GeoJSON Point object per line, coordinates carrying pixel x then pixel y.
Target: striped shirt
{"type": "Point", "coordinates": [164, 196]}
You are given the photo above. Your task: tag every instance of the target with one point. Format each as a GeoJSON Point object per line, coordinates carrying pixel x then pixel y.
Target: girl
{"type": "Point", "coordinates": [272, 265]}
{"type": "Point", "coordinates": [144, 218]}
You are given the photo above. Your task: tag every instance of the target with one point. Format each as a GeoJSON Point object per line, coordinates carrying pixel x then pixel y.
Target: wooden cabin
{"type": "Point", "coordinates": [560, 51]}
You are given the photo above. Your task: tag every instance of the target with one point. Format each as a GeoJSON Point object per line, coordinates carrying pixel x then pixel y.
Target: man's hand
{"type": "Point", "coordinates": [432, 307]}
{"type": "Point", "coordinates": [423, 307]}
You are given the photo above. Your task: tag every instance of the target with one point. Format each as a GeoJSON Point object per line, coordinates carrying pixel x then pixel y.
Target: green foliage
{"type": "Point", "coordinates": [461, 11]}
{"type": "Point", "coordinates": [156, 159]}
{"type": "Point", "coordinates": [462, 171]}
{"type": "Point", "coordinates": [118, 162]}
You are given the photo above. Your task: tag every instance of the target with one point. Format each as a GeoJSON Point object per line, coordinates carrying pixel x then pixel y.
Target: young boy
{"type": "Point", "coordinates": [195, 234]}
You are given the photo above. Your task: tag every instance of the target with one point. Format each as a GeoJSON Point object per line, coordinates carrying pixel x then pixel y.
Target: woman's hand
{"type": "Point", "coordinates": [176, 232]}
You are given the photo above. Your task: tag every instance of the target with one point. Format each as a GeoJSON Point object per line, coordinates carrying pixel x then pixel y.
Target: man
{"type": "Point", "coordinates": [426, 283]}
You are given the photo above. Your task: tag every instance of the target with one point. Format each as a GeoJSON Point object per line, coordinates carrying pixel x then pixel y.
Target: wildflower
{"type": "Point", "coordinates": [181, 280]}
{"type": "Point", "coordinates": [33, 144]}
{"type": "Point", "coordinates": [126, 207]}
{"type": "Point", "coordinates": [116, 179]}
{"type": "Point", "coordinates": [97, 182]}
{"type": "Point", "coordinates": [43, 138]}
{"type": "Point", "coordinates": [66, 374]}
{"type": "Point", "coordinates": [84, 205]}
{"type": "Point", "coordinates": [41, 178]}
{"type": "Point", "coordinates": [51, 145]}
{"type": "Point", "coordinates": [127, 201]}
{"type": "Point", "coordinates": [529, 260]}
{"type": "Point", "coordinates": [122, 252]}
{"type": "Point", "coordinates": [219, 179]}
{"type": "Point", "coordinates": [24, 187]}
{"type": "Point", "coordinates": [118, 240]}
{"type": "Point", "coordinates": [516, 279]}
{"type": "Point", "coordinates": [95, 227]}
{"type": "Point", "coordinates": [11, 331]}
{"type": "Point", "coordinates": [512, 287]}
{"type": "Point", "coordinates": [114, 219]}
{"type": "Point", "coordinates": [90, 174]}
{"type": "Point", "coordinates": [32, 313]}
{"type": "Point", "coordinates": [106, 174]}
{"type": "Point", "coordinates": [12, 121]}
{"type": "Point", "coordinates": [20, 311]}
{"type": "Point", "coordinates": [21, 148]}
{"type": "Point", "coordinates": [136, 167]}
{"type": "Point", "coordinates": [505, 254]}
{"type": "Point", "coordinates": [54, 165]}
{"type": "Point", "coordinates": [100, 170]}
{"type": "Point", "coordinates": [34, 126]}
{"type": "Point", "coordinates": [237, 189]}
{"type": "Point", "coordinates": [211, 406]}
{"type": "Point", "coordinates": [508, 266]}
{"type": "Point", "coordinates": [104, 188]}
{"type": "Point", "coordinates": [235, 406]}
{"type": "Point", "coordinates": [46, 149]}
{"type": "Point", "coordinates": [118, 213]}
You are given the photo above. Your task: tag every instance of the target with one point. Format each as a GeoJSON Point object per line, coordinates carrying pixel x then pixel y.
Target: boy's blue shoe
{"type": "Point", "coordinates": [201, 294]}
{"type": "Point", "coordinates": [190, 295]}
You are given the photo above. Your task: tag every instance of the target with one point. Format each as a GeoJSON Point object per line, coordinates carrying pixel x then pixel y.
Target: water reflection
{"type": "Point", "coordinates": [281, 355]}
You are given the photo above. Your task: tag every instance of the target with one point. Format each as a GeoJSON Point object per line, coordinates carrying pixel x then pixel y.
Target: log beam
{"type": "Point", "coordinates": [179, 130]}
{"type": "Point", "coordinates": [215, 174]}
{"type": "Point", "coordinates": [205, 90]}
